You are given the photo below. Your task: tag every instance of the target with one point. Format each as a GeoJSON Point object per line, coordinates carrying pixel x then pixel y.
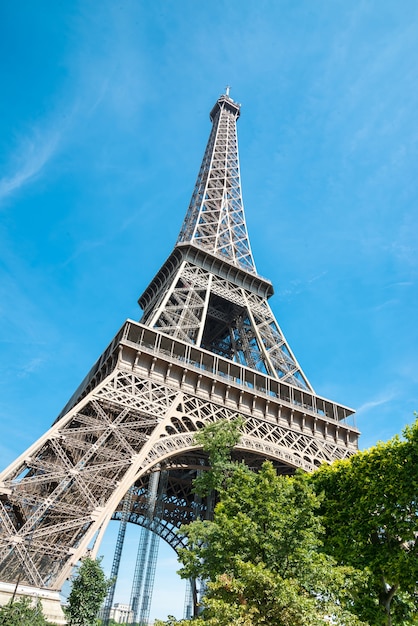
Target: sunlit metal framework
{"type": "Point", "coordinates": [207, 348]}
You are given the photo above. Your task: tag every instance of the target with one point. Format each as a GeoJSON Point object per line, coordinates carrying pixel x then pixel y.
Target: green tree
{"type": "Point", "coordinates": [370, 509]}
{"type": "Point", "coordinates": [262, 556]}
{"type": "Point", "coordinates": [217, 440]}
{"type": "Point", "coordinates": [22, 612]}
{"type": "Point", "coordinates": [88, 591]}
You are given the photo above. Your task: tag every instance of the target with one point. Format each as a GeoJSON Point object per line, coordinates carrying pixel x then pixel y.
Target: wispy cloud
{"type": "Point", "coordinates": [31, 366]}
{"type": "Point", "coordinates": [299, 286]}
{"type": "Point", "coordinates": [85, 247]}
{"type": "Point", "coordinates": [29, 160]}
{"type": "Point", "coordinates": [400, 283]}
{"type": "Point", "coordinates": [372, 404]}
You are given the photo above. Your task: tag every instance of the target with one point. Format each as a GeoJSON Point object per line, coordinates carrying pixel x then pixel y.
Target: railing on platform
{"type": "Point", "coordinates": [155, 342]}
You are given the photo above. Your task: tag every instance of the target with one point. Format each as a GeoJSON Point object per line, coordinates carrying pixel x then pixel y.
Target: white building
{"type": "Point", "coordinates": [121, 613]}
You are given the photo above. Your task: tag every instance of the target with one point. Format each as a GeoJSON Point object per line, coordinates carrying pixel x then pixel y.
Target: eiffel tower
{"type": "Point", "coordinates": [208, 347]}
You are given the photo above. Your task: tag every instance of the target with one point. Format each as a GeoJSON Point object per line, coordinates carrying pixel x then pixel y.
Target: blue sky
{"type": "Point", "coordinates": [104, 118]}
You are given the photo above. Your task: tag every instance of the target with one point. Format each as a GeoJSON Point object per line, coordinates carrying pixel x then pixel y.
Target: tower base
{"type": "Point", "coordinates": [50, 600]}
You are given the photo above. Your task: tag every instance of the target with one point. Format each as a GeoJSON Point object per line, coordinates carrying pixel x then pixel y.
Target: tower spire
{"type": "Point", "coordinates": [215, 219]}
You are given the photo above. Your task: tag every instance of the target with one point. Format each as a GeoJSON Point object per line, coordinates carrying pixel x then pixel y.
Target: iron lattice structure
{"type": "Point", "coordinates": [207, 348]}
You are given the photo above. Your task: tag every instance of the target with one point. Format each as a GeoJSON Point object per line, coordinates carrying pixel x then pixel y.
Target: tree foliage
{"type": "Point", "coordinates": [370, 509]}
{"type": "Point", "coordinates": [22, 612]}
{"type": "Point", "coordinates": [217, 440]}
{"type": "Point", "coordinates": [262, 556]}
{"type": "Point", "coordinates": [88, 591]}
{"type": "Point", "coordinates": [289, 551]}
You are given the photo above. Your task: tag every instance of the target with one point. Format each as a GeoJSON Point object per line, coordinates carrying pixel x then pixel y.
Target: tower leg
{"type": "Point", "coordinates": [146, 547]}
{"type": "Point", "coordinates": [141, 557]}
{"type": "Point", "coordinates": [117, 556]}
{"type": "Point", "coordinates": [149, 578]}
{"type": "Point", "coordinates": [188, 601]}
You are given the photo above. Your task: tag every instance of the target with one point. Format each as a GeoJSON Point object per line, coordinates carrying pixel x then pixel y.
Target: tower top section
{"type": "Point", "coordinates": [215, 220]}
{"type": "Point", "coordinates": [208, 292]}
{"type": "Point", "coordinates": [225, 101]}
